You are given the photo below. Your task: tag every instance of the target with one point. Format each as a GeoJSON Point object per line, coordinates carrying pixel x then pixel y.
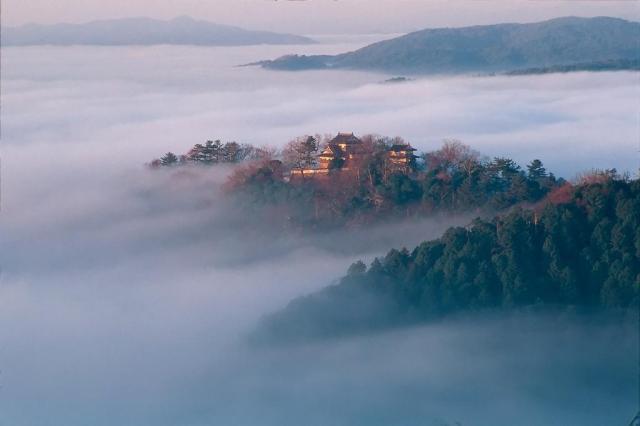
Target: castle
{"type": "Point", "coordinates": [343, 151]}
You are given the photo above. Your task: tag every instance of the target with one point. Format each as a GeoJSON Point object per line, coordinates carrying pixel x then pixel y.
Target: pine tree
{"type": "Point", "coordinates": [169, 159]}
{"type": "Point", "coordinates": [536, 170]}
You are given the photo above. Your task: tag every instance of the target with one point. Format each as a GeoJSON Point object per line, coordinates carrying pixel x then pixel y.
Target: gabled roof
{"type": "Point", "coordinates": [401, 147]}
{"type": "Point", "coordinates": [346, 138]}
{"type": "Point", "coordinates": [329, 151]}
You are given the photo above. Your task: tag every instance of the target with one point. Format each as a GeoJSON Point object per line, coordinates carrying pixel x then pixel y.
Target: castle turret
{"type": "Point", "coordinates": [401, 157]}
{"type": "Point", "coordinates": [327, 157]}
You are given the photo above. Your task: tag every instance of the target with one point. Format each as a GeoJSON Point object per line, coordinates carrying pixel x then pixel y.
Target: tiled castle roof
{"type": "Point", "coordinates": [330, 151]}
{"type": "Point", "coordinates": [401, 147]}
{"type": "Point", "coordinates": [345, 138]}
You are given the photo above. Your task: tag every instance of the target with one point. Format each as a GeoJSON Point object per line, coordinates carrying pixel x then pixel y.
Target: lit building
{"type": "Point", "coordinates": [401, 157]}
{"type": "Point", "coordinates": [345, 148]}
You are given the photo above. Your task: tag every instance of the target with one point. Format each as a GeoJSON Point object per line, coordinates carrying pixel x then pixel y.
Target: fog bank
{"type": "Point", "coordinates": [126, 294]}
{"type": "Point", "coordinates": [125, 105]}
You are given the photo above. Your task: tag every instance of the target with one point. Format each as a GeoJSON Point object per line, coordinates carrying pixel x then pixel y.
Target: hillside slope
{"type": "Point", "coordinates": [488, 48]}
{"type": "Point", "coordinates": [582, 250]}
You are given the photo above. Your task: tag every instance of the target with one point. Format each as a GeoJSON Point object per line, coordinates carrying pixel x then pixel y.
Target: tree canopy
{"type": "Point", "coordinates": [582, 250]}
{"type": "Point", "coordinates": [453, 178]}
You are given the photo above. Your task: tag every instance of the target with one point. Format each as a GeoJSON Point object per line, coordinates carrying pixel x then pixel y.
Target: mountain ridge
{"type": "Point", "coordinates": [505, 47]}
{"type": "Point", "coordinates": [182, 30]}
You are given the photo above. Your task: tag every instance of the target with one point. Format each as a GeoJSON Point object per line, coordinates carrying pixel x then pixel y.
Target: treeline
{"type": "Point", "coordinates": [453, 178]}
{"type": "Point", "coordinates": [580, 249]}
{"type": "Point", "coordinates": [370, 187]}
{"type": "Point", "coordinates": [299, 152]}
{"type": "Point", "coordinates": [611, 65]}
{"type": "Point", "coordinates": [213, 152]}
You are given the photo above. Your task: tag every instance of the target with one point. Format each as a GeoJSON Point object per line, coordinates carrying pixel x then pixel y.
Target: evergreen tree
{"type": "Point", "coordinates": [584, 252]}
{"type": "Point", "coordinates": [169, 159]}
{"type": "Point", "coordinates": [536, 170]}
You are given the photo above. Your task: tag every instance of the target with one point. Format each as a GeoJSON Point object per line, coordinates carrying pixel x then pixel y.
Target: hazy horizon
{"type": "Point", "coordinates": [329, 16]}
{"type": "Point", "coordinates": [562, 119]}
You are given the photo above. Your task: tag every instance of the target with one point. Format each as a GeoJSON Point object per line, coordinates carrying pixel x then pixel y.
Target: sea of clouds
{"type": "Point", "coordinates": [126, 294]}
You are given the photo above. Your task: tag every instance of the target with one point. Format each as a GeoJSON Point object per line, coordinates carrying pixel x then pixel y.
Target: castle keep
{"type": "Point", "coordinates": [346, 150]}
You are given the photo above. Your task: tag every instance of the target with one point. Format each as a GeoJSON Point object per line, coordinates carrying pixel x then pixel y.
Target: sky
{"type": "Point", "coordinates": [318, 16]}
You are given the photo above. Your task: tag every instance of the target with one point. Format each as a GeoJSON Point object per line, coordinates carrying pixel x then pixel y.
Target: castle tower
{"type": "Point", "coordinates": [401, 157]}
{"type": "Point", "coordinates": [327, 157]}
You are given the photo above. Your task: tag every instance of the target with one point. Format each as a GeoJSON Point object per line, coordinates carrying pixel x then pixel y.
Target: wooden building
{"type": "Point", "coordinates": [345, 149]}
{"type": "Point", "coordinates": [401, 158]}
{"type": "Point", "coordinates": [336, 156]}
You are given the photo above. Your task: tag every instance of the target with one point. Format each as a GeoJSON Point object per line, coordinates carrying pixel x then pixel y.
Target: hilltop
{"type": "Point", "coordinates": [317, 183]}
{"type": "Point", "coordinates": [561, 42]}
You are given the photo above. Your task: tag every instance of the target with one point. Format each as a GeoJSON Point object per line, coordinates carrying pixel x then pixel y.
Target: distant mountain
{"type": "Point", "coordinates": [143, 31]}
{"type": "Point", "coordinates": [488, 48]}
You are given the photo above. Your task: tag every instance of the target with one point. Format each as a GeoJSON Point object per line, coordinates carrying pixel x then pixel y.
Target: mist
{"type": "Point", "coordinates": [126, 295]}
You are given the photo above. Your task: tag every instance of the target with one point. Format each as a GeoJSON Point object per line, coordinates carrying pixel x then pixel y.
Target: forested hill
{"type": "Point", "coordinates": [454, 179]}
{"type": "Point", "coordinates": [561, 42]}
{"type": "Point", "coordinates": [581, 249]}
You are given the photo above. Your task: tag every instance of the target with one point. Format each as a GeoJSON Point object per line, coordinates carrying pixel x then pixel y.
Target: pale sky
{"type": "Point", "coordinates": [319, 16]}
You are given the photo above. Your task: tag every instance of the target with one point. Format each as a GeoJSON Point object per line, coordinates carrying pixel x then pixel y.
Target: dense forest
{"type": "Point", "coordinates": [615, 65]}
{"type": "Point", "coordinates": [580, 247]}
{"type": "Point", "coordinates": [454, 178]}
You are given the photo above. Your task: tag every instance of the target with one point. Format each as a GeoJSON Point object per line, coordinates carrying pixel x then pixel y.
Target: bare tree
{"type": "Point", "coordinates": [262, 153]}
{"type": "Point", "coordinates": [453, 155]}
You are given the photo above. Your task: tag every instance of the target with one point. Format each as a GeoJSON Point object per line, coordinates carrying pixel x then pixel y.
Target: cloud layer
{"type": "Point", "coordinates": [125, 105]}
{"type": "Point", "coordinates": [125, 294]}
